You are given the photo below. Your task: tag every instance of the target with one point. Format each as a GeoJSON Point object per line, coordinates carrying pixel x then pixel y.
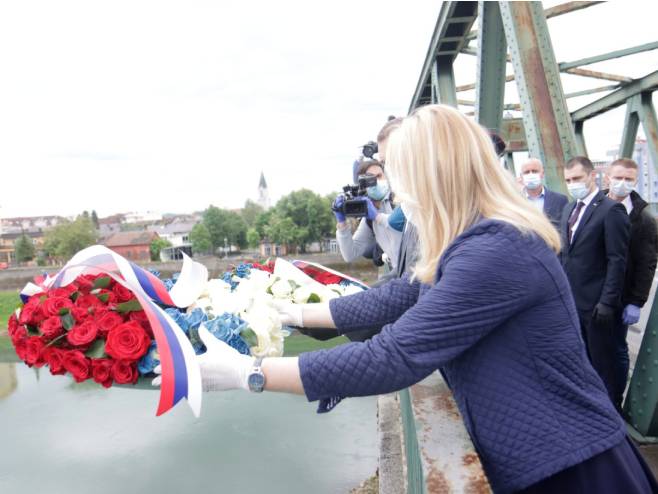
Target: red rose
{"type": "Point", "coordinates": [87, 302]}
{"type": "Point", "coordinates": [54, 358]}
{"type": "Point", "coordinates": [140, 317]}
{"type": "Point", "coordinates": [31, 313]}
{"type": "Point", "coordinates": [101, 371]}
{"type": "Point", "coordinates": [127, 341]}
{"type": "Point", "coordinates": [80, 315]}
{"type": "Point", "coordinates": [122, 293]}
{"type": "Point", "coordinates": [15, 330]}
{"type": "Point", "coordinates": [82, 334]}
{"type": "Point", "coordinates": [107, 320]}
{"type": "Point", "coordinates": [20, 345]}
{"type": "Point", "coordinates": [63, 291]}
{"type": "Point", "coordinates": [33, 351]}
{"type": "Point", "coordinates": [83, 284]}
{"type": "Point", "coordinates": [52, 327]}
{"type": "Point", "coordinates": [52, 305]}
{"type": "Point", "coordinates": [124, 372]}
{"type": "Point", "coordinates": [77, 364]}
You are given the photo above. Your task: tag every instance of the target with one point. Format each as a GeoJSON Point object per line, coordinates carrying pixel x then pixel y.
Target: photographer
{"type": "Point", "coordinates": [373, 228]}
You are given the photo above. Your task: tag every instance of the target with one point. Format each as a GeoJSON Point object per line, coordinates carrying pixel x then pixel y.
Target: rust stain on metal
{"type": "Point", "coordinates": [478, 485]}
{"type": "Point", "coordinates": [469, 459]}
{"type": "Point", "coordinates": [436, 482]}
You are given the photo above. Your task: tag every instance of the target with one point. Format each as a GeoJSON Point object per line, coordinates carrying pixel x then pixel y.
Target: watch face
{"type": "Point", "coordinates": [256, 382]}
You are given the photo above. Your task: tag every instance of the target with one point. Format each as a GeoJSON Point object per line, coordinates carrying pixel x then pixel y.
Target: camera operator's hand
{"type": "Point", "coordinates": [372, 212]}
{"type": "Point", "coordinates": [337, 208]}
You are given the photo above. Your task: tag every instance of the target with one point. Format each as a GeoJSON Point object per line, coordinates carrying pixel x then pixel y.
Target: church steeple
{"type": "Point", "coordinates": [263, 193]}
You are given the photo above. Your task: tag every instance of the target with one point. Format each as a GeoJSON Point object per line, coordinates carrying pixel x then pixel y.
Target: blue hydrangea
{"type": "Point", "coordinates": [154, 272]}
{"type": "Point", "coordinates": [179, 318]}
{"type": "Point", "coordinates": [149, 361]}
{"type": "Point", "coordinates": [243, 270]}
{"type": "Point", "coordinates": [195, 318]}
{"type": "Point", "coordinates": [227, 328]}
{"type": "Point", "coordinates": [169, 284]}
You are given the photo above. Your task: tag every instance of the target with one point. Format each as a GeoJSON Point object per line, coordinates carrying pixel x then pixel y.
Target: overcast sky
{"type": "Point", "coordinates": [133, 106]}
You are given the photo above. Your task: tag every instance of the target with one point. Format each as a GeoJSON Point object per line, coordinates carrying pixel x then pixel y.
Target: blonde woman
{"type": "Point", "coordinates": [489, 305]}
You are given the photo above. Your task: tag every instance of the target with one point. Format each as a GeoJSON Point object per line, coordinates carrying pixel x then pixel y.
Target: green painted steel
{"type": "Point", "coordinates": [415, 482]}
{"type": "Point", "coordinates": [581, 147]}
{"type": "Point", "coordinates": [491, 65]}
{"type": "Point", "coordinates": [549, 131]}
{"type": "Point", "coordinates": [631, 126]}
{"type": "Point", "coordinates": [609, 56]}
{"type": "Point", "coordinates": [618, 98]}
{"type": "Point", "coordinates": [443, 82]}
{"type": "Point", "coordinates": [586, 92]}
{"type": "Point", "coordinates": [641, 405]}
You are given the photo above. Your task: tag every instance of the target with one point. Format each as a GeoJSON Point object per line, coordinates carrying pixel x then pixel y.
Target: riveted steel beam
{"type": "Point", "coordinates": [436, 81]}
{"type": "Point", "coordinates": [619, 97]}
{"type": "Point", "coordinates": [610, 55]}
{"type": "Point", "coordinates": [563, 8]}
{"type": "Point", "coordinates": [631, 126]}
{"type": "Point", "coordinates": [549, 132]}
{"type": "Point", "coordinates": [491, 65]}
{"type": "Point", "coordinates": [580, 138]}
{"type": "Point", "coordinates": [593, 90]}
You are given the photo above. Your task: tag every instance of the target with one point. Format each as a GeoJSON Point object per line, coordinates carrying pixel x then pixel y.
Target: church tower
{"type": "Point", "coordinates": [263, 193]}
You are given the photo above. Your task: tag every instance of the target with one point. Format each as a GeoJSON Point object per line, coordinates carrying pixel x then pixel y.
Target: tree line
{"type": "Point", "coordinates": [297, 220]}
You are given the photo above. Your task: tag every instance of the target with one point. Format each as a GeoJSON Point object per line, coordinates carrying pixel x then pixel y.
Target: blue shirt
{"type": "Point", "coordinates": [501, 325]}
{"type": "Point", "coordinates": [538, 201]}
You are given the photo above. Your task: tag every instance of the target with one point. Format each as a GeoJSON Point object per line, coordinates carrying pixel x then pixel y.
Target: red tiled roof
{"type": "Point", "coordinates": [130, 238]}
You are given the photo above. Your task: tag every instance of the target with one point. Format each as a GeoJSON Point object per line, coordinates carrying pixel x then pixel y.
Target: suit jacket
{"type": "Point", "coordinates": [595, 260]}
{"type": "Point", "coordinates": [554, 203]}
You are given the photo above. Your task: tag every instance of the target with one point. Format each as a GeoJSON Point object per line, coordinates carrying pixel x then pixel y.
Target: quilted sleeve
{"type": "Point", "coordinates": [376, 307]}
{"type": "Point", "coordinates": [485, 281]}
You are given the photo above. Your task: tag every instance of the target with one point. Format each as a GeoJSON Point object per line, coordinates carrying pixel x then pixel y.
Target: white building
{"type": "Point", "coordinates": [263, 193]}
{"type": "Point", "coordinates": [142, 217]}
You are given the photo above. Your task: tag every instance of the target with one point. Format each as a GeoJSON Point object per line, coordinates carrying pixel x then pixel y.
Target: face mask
{"type": "Point", "coordinates": [532, 181]}
{"type": "Point", "coordinates": [621, 188]}
{"type": "Point", "coordinates": [379, 191]}
{"type": "Point", "coordinates": [578, 190]}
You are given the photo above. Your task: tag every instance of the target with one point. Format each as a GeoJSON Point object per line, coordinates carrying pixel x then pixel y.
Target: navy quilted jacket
{"type": "Point", "coordinates": [501, 325]}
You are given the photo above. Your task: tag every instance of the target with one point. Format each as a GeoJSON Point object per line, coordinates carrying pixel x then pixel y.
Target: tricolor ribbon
{"type": "Point", "coordinates": [181, 377]}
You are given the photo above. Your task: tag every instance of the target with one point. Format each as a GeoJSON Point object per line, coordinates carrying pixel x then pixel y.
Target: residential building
{"type": "Point", "coordinates": [135, 246]}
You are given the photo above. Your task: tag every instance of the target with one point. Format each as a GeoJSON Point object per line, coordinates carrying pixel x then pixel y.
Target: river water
{"type": "Point", "coordinates": [60, 437]}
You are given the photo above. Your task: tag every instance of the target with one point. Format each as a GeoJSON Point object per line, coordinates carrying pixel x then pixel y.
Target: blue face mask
{"type": "Point", "coordinates": [379, 191]}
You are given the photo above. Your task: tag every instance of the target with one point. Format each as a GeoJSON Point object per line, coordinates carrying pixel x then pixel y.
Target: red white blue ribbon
{"type": "Point", "coordinates": [181, 377]}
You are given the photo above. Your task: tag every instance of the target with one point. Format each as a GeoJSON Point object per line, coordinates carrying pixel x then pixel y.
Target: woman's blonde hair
{"type": "Point", "coordinates": [444, 169]}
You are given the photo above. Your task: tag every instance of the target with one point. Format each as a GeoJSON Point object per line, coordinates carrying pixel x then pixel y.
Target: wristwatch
{"type": "Point", "coordinates": [256, 379]}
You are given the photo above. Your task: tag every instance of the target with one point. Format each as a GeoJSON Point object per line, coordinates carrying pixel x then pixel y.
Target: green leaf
{"type": "Point", "coordinates": [97, 349]}
{"type": "Point", "coordinates": [130, 306]}
{"type": "Point", "coordinates": [102, 282]}
{"type": "Point", "coordinates": [51, 342]}
{"type": "Point", "coordinates": [64, 310]}
{"type": "Point", "coordinates": [32, 330]}
{"type": "Point", "coordinates": [249, 337]}
{"type": "Point", "coordinates": [103, 297]}
{"type": "Point", "coordinates": [74, 296]}
{"type": "Point", "coordinates": [313, 298]}
{"type": "Point", "coordinates": [294, 285]}
{"type": "Point", "coordinates": [67, 321]}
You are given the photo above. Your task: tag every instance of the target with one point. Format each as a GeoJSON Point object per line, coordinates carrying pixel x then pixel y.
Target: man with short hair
{"type": "Point", "coordinates": [640, 264]}
{"type": "Point", "coordinates": [551, 203]}
{"type": "Point", "coordinates": [595, 235]}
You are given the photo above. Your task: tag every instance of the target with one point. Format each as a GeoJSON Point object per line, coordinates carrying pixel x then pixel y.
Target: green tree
{"type": "Point", "coordinates": [94, 219]}
{"type": "Point", "coordinates": [282, 230]}
{"type": "Point", "coordinates": [250, 212]}
{"type": "Point", "coordinates": [69, 237]}
{"type": "Point", "coordinates": [200, 238]}
{"type": "Point", "coordinates": [261, 222]}
{"type": "Point", "coordinates": [24, 248]}
{"type": "Point", "coordinates": [253, 238]}
{"type": "Point", "coordinates": [157, 244]}
{"type": "Point", "coordinates": [310, 212]}
{"type": "Point", "coordinates": [223, 224]}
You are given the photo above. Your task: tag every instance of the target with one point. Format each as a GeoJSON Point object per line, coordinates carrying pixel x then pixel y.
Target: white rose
{"type": "Point", "coordinates": [301, 295]}
{"type": "Point", "coordinates": [281, 289]}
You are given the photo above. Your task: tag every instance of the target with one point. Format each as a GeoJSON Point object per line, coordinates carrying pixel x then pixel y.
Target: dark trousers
{"type": "Point", "coordinates": [621, 363]}
{"type": "Point", "coordinates": [602, 349]}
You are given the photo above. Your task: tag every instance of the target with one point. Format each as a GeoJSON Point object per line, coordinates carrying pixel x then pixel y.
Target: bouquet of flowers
{"type": "Point", "coordinates": [106, 319]}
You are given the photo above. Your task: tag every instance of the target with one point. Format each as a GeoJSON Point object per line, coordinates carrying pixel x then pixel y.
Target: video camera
{"type": "Point", "coordinates": [352, 205]}
{"type": "Point", "coordinates": [369, 149]}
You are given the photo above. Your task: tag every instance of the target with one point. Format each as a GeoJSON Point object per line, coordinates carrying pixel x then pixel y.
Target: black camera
{"type": "Point", "coordinates": [369, 149]}
{"type": "Point", "coordinates": [352, 205]}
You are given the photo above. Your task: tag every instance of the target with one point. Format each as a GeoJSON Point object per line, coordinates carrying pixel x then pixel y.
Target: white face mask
{"type": "Point", "coordinates": [578, 190]}
{"type": "Point", "coordinates": [621, 188]}
{"type": "Point", "coordinates": [532, 181]}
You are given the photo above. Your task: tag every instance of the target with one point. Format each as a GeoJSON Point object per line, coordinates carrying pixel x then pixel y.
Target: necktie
{"type": "Point", "coordinates": [574, 217]}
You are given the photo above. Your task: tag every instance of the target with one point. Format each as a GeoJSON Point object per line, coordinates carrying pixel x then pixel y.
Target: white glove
{"type": "Point", "coordinates": [290, 314]}
{"type": "Point", "coordinates": [222, 367]}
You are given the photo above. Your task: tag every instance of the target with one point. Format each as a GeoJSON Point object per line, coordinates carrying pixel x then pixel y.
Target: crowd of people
{"type": "Point", "coordinates": [521, 300]}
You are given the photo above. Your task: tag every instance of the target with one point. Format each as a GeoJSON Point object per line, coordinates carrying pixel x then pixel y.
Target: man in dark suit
{"type": "Point", "coordinates": [641, 262]}
{"type": "Point", "coordinates": [595, 236]}
{"type": "Point", "coordinates": [551, 203]}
